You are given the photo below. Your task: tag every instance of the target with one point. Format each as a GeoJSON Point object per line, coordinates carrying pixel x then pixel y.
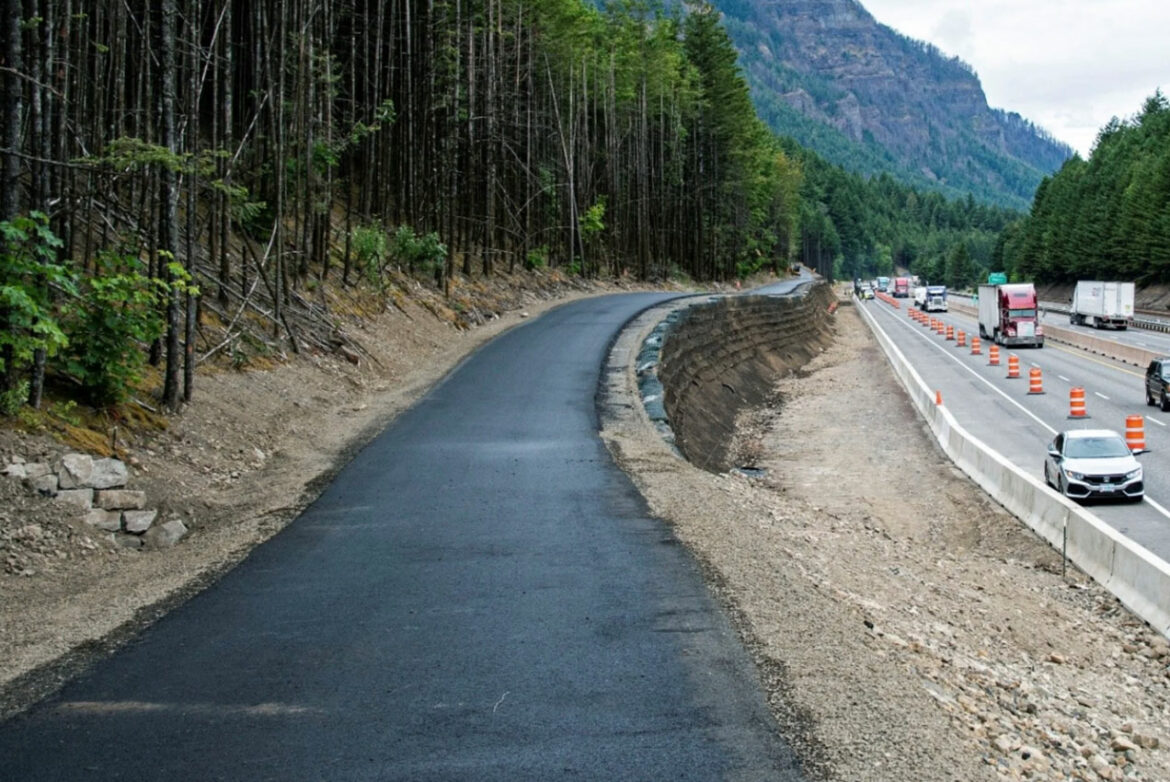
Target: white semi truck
{"type": "Point", "coordinates": [1102, 304]}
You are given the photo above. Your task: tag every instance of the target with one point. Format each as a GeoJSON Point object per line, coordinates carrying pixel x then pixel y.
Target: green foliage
{"type": "Point", "coordinates": [369, 246]}
{"type": "Point", "coordinates": [121, 309]}
{"type": "Point", "coordinates": [537, 258]}
{"type": "Point", "coordinates": [128, 153]}
{"type": "Point", "coordinates": [14, 398]}
{"type": "Point", "coordinates": [591, 222]}
{"type": "Point", "coordinates": [29, 277]}
{"type": "Point", "coordinates": [418, 253]}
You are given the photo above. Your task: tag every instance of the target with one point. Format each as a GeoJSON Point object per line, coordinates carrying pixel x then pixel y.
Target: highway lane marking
{"type": "Point", "coordinates": [1154, 420]}
{"type": "Point", "coordinates": [959, 361]}
{"type": "Point", "coordinates": [1098, 393]}
{"type": "Point", "coordinates": [1065, 379]}
{"type": "Point", "coordinates": [1089, 357]}
{"type": "Point", "coordinates": [1156, 506]}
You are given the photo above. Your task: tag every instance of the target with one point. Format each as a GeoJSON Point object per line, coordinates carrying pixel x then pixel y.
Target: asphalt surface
{"type": "Point", "coordinates": [1019, 425]}
{"type": "Point", "coordinates": [481, 594]}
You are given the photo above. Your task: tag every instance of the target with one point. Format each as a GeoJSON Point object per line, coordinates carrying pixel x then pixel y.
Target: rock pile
{"type": "Point", "coordinates": [97, 487]}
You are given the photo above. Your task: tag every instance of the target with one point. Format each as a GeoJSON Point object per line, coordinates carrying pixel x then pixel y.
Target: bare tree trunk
{"type": "Point", "coordinates": [169, 197]}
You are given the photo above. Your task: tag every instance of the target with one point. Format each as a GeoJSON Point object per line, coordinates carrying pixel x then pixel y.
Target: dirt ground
{"type": "Point", "coordinates": [905, 627]}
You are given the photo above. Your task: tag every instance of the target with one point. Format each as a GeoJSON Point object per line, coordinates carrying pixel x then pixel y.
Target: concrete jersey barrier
{"type": "Point", "coordinates": [1138, 578]}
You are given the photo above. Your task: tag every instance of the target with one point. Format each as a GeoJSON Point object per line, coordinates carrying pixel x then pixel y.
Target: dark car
{"type": "Point", "coordinates": [1158, 383]}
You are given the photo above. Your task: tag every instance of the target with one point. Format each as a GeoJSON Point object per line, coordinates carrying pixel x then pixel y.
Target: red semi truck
{"type": "Point", "coordinates": [901, 287]}
{"type": "Point", "coordinates": [1009, 314]}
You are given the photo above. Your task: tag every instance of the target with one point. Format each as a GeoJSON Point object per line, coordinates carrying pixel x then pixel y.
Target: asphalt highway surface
{"type": "Point", "coordinates": [480, 594]}
{"type": "Point", "coordinates": [1003, 414]}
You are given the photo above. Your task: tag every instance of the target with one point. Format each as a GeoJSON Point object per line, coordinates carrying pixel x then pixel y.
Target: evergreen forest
{"type": "Point", "coordinates": [1105, 218]}
{"type": "Point", "coordinates": [165, 163]}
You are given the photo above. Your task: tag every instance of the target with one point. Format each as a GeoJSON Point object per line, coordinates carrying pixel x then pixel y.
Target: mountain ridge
{"type": "Point", "coordinates": [871, 99]}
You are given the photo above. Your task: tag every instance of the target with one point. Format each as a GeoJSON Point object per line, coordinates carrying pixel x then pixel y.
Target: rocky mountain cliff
{"type": "Point", "coordinates": [870, 99]}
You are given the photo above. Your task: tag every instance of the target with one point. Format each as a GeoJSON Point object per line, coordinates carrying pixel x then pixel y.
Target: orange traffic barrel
{"type": "Point", "coordinates": [976, 347]}
{"type": "Point", "coordinates": [1013, 365]}
{"type": "Point", "coordinates": [1076, 403]}
{"type": "Point", "coordinates": [1035, 381]}
{"type": "Point", "coordinates": [962, 341]}
{"type": "Point", "coordinates": [1135, 432]}
{"type": "Point", "coordinates": [938, 397]}
{"type": "Point", "coordinates": [993, 355]}
{"type": "Point", "coordinates": [950, 332]}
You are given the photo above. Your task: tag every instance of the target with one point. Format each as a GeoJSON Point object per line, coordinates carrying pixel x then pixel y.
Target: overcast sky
{"type": "Point", "coordinates": [1069, 66]}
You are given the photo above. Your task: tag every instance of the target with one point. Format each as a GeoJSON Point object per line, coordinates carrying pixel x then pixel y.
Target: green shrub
{"type": "Point", "coordinates": [418, 253]}
{"type": "Point", "coordinates": [29, 274]}
{"type": "Point", "coordinates": [121, 310]}
{"type": "Point", "coordinates": [537, 258]}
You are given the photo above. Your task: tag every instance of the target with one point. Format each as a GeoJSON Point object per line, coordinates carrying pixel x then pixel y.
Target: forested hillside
{"type": "Point", "coordinates": [255, 149]}
{"type": "Point", "coordinates": [872, 100]}
{"type": "Point", "coordinates": [1107, 218]}
{"type": "Point", "coordinates": [184, 179]}
{"type": "Point", "coordinates": [873, 226]}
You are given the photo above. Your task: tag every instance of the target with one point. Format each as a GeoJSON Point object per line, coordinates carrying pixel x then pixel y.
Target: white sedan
{"type": "Point", "coordinates": [1093, 464]}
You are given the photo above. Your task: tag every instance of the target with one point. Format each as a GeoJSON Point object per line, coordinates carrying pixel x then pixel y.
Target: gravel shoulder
{"type": "Point", "coordinates": [905, 627]}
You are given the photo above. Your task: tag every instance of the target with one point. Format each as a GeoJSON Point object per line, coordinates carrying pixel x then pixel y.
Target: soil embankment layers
{"type": "Point", "coordinates": [724, 356]}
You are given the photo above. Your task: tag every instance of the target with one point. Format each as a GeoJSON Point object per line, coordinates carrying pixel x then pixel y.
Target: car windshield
{"type": "Point", "coordinates": [1095, 447]}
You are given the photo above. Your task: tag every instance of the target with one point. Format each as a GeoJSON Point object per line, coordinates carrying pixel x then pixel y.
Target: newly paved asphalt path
{"type": "Point", "coordinates": [481, 594]}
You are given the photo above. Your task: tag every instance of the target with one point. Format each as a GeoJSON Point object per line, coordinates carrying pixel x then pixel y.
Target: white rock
{"type": "Point", "coordinates": [125, 499]}
{"type": "Point", "coordinates": [82, 498]}
{"type": "Point", "coordinates": [109, 474]}
{"type": "Point", "coordinates": [108, 520]}
{"type": "Point", "coordinates": [138, 521]}
{"type": "Point", "coordinates": [36, 469]}
{"type": "Point", "coordinates": [167, 534]}
{"type": "Point", "coordinates": [76, 470]}
{"type": "Point", "coordinates": [46, 484]}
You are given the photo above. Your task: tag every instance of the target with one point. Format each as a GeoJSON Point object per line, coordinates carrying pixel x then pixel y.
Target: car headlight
{"type": "Point", "coordinates": [1076, 476]}
{"type": "Point", "coordinates": [1133, 474]}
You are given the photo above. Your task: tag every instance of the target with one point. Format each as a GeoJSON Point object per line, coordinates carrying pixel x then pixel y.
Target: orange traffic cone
{"type": "Point", "coordinates": [938, 397]}
{"type": "Point", "coordinates": [1035, 381]}
{"type": "Point", "coordinates": [962, 341]}
{"type": "Point", "coordinates": [1013, 366]}
{"type": "Point", "coordinates": [1135, 432]}
{"type": "Point", "coordinates": [950, 333]}
{"type": "Point", "coordinates": [976, 347]}
{"type": "Point", "coordinates": [993, 355]}
{"type": "Point", "coordinates": [1076, 403]}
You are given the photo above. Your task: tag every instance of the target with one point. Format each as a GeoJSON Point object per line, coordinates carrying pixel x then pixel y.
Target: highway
{"type": "Point", "coordinates": [1000, 411]}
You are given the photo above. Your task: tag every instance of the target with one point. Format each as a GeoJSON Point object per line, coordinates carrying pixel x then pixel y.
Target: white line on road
{"type": "Point", "coordinates": [1098, 393]}
{"type": "Point", "coordinates": [1154, 421]}
{"type": "Point", "coordinates": [1065, 379]}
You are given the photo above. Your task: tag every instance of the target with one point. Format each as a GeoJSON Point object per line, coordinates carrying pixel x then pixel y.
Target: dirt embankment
{"type": "Point", "coordinates": [723, 357]}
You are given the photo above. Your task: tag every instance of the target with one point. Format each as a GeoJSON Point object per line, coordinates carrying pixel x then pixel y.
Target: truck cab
{"type": "Point", "coordinates": [935, 299]}
{"type": "Point", "coordinates": [1009, 314]}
